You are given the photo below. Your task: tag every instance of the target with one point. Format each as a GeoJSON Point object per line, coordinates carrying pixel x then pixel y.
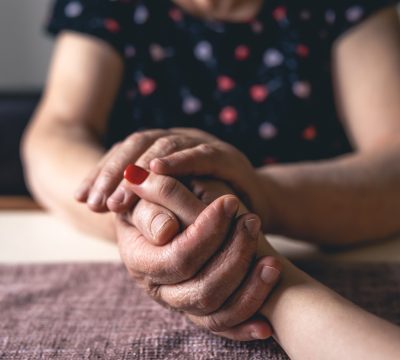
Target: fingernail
{"type": "Point", "coordinates": [269, 275]}
{"type": "Point", "coordinates": [118, 196]}
{"type": "Point", "coordinates": [135, 174]}
{"type": "Point", "coordinates": [253, 226]}
{"type": "Point", "coordinates": [158, 223]}
{"type": "Point", "coordinates": [256, 336]}
{"type": "Point", "coordinates": [231, 206]}
{"type": "Point", "coordinates": [95, 198]}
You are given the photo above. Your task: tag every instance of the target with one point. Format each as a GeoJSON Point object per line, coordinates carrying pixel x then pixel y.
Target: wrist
{"type": "Point", "coordinates": [266, 201]}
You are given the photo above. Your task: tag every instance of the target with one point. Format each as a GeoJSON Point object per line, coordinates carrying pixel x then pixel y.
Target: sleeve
{"type": "Point", "coordinates": [107, 20]}
{"type": "Point", "coordinates": [342, 15]}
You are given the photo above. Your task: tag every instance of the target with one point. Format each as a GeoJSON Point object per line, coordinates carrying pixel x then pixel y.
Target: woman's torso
{"type": "Point", "coordinates": [264, 86]}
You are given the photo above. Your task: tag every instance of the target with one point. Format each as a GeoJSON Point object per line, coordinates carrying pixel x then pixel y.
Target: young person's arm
{"type": "Point", "coordinates": [311, 321]}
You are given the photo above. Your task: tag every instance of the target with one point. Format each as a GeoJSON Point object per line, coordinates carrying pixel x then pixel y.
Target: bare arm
{"type": "Point", "coordinates": [61, 144]}
{"type": "Point", "coordinates": [355, 197]}
{"type": "Point", "coordinates": [311, 321]}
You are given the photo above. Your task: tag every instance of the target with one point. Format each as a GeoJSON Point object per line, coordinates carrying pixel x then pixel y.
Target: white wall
{"type": "Point", "coordinates": [24, 48]}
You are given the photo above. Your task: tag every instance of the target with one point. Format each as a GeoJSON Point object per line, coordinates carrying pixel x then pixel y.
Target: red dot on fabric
{"type": "Point", "coordinates": [280, 13]}
{"type": "Point", "coordinates": [302, 50]}
{"type": "Point", "coordinates": [176, 14]}
{"type": "Point", "coordinates": [225, 83]}
{"type": "Point", "coordinates": [309, 133]}
{"type": "Point", "coordinates": [228, 115]}
{"type": "Point", "coordinates": [242, 52]}
{"type": "Point", "coordinates": [269, 160]}
{"type": "Point", "coordinates": [111, 25]}
{"type": "Point", "coordinates": [147, 86]}
{"type": "Point", "coordinates": [258, 93]}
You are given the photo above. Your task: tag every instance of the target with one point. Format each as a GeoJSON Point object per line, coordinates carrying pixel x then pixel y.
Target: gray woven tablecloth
{"type": "Point", "coordinates": [94, 311]}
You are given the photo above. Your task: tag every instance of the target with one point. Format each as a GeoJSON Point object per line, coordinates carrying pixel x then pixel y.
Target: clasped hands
{"type": "Point", "coordinates": [195, 248]}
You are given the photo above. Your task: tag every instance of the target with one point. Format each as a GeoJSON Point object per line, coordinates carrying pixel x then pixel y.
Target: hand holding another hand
{"type": "Point", "coordinates": [189, 256]}
{"type": "Point", "coordinates": [210, 270]}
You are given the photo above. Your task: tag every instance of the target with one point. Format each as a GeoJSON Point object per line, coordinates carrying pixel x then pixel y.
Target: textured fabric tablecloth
{"type": "Point", "coordinates": [94, 311]}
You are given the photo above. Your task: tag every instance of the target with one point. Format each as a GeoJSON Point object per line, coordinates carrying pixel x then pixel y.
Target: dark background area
{"type": "Point", "coordinates": [15, 112]}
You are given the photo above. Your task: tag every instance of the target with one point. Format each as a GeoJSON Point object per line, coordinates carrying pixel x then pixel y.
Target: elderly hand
{"type": "Point", "coordinates": [209, 270]}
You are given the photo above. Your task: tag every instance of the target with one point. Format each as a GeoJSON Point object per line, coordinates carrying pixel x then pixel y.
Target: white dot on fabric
{"type": "Point", "coordinates": [157, 52]}
{"type": "Point", "coordinates": [354, 13]}
{"type": "Point", "coordinates": [73, 9]}
{"type": "Point", "coordinates": [273, 57]}
{"type": "Point", "coordinates": [267, 131]}
{"type": "Point", "coordinates": [302, 89]}
{"type": "Point", "coordinates": [330, 16]}
{"type": "Point", "coordinates": [203, 51]}
{"type": "Point", "coordinates": [141, 15]}
{"type": "Point", "coordinates": [191, 105]}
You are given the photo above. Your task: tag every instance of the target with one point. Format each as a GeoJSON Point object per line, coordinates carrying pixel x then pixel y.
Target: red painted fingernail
{"type": "Point", "coordinates": [135, 174]}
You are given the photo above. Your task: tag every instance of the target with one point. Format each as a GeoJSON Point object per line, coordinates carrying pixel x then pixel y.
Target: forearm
{"type": "Point", "coordinates": [56, 158]}
{"type": "Point", "coordinates": [335, 202]}
{"type": "Point", "coordinates": [312, 322]}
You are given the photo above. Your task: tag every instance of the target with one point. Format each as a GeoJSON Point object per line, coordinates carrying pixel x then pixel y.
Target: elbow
{"type": "Point", "coordinates": [32, 160]}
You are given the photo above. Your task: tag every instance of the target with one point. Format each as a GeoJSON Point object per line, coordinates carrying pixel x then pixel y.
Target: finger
{"type": "Point", "coordinates": [82, 192]}
{"type": "Point", "coordinates": [222, 275]}
{"type": "Point", "coordinates": [183, 257]}
{"type": "Point", "coordinates": [247, 300]}
{"type": "Point", "coordinates": [111, 172]}
{"type": "Point", "coordinates": [158, 224]}
{"type": "Point", "coordinates": [207, 190]}
{"type": "Point", "coordinates": [166, 145]}
{"type": "Point", "coordinates": [215, 159]}
{"type": "Point", "coordinates": [256, 328]}
{"type": "Point", "coordinates": [123, 199]}
{"type": "Point", "coordinates": [165, 191]}
{"type": "Point", "coordinates": [194, 132]}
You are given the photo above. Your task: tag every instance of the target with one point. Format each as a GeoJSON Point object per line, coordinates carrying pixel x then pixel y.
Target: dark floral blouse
{"type": "Point", "coordinates": [264, 85]}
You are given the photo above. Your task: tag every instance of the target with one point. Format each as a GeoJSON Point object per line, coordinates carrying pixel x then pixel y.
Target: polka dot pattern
{"type": "Point", "coordinates": [263, 85]}
{"type": "Point", "coordinates": [73, 9]}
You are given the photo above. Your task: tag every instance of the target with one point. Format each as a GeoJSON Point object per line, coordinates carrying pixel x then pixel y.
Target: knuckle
{"type": "Point", "coordinates": [152, 289]}
{"type": "Point", "coordinates": [116, 146]}
{"type": "Point", "coordinates": [242, 255]}
{"type": "Point", "coordinates": [251, 301]}
{"type": "Point", "coordinates": [137, 138]}
{"type": "Point", "coordinates": [207, 149]}
{"type": "Point", "coordinates": [168, 188]}
{"type": "Point", "coordinates": [182, 267]}
{"type": "Point", "coordinates": [166, 143]}
{"type": "Point", "coordinates": [204, 302]}
{"type": "Point", "coordinates": [215, 323]}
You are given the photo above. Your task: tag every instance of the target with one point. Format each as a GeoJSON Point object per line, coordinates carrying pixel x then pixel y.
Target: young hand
{"type": "Point", "coordinates": [139, 148]}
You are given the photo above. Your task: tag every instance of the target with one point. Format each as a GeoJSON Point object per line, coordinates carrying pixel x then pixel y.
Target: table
{"type": "Point", "coordinates": [35, 236]}
{"type": "Point", "coordinates": [66, 295]}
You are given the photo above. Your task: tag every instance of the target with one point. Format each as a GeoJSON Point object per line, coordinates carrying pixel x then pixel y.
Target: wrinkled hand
{"type": "Point", "coordinates": [209, 270]}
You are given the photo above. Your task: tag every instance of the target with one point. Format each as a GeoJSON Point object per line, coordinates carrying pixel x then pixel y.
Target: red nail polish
{"type": "Point", "coordinates": [135, 174]}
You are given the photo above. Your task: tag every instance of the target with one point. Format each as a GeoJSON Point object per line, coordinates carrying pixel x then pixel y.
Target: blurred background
{"type": "Point", "coordinates": [24, 57]}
